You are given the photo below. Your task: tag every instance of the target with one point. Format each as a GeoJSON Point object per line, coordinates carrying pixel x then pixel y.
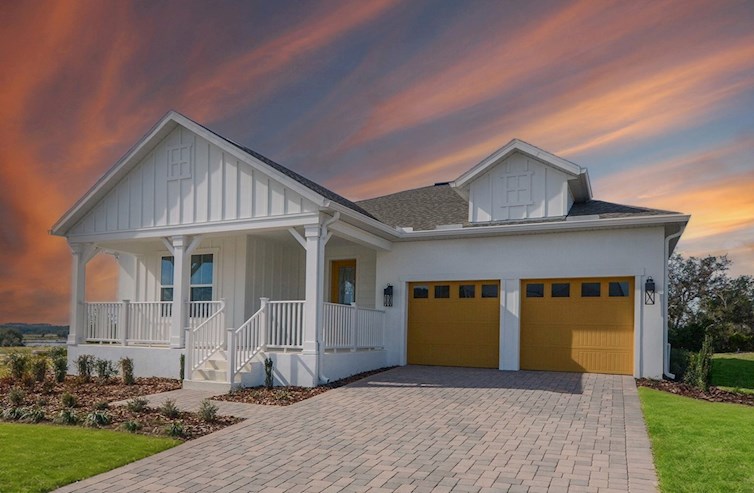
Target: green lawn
{"type": "Point", "coordinates": [733, 371]}
{"type": "Point", "coordinates": [700, 446]}
{"type": "Point", "coordinates": [37, 458]}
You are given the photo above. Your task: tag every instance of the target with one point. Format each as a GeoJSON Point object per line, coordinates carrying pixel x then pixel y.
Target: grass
{"type": "Point", "coordinates": [700, 446]}
{"type": "Point", "coordinates": [39, 458]}
{"type": "Point", "coordinates": [733, 371]}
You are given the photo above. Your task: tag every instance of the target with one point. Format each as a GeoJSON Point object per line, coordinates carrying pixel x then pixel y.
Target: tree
{"type": "Point", "coordinates": [10, 337]}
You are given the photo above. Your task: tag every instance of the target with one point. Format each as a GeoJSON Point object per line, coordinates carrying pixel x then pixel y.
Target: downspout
{"type": "Point", "coordinates": [325, 237]}
{"type": "Point", "coordinates": [666, 289]}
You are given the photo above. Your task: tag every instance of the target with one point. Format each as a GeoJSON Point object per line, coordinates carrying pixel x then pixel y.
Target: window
{"type": "Point", "coordinates": [517, 188]}
{"type": "Point", "coordinates": [560, 290]}
{"type": "Point", "coordinates": [442, 291]}
{"type": "Point", "coordinates": [535, 290]}
{"type": "Point", "coordinates": [202, 271]}
{"type": "Point", "coordinates": [590, 290]}
{"type": "Point", "coordinates": [466, 291]}
{"type": "Point", "coordinates": [618, 289]}
{"type": "Point", "coordinates": [421, 292]}
{"type": "Point", "coordinates": [489, 290]}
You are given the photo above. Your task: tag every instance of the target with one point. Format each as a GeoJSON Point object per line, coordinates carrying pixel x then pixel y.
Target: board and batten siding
{"type": "Point", "coordinates": [187, 180]}
{"type": "Point", "coordinates": [275, 270]}
{"type": "Point", "coordinates": [519, 187]}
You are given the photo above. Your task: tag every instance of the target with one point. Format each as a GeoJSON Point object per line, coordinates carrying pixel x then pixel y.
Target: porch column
{"type": "Point", "coordinates": [82, 253]}
{"type": "Point", "coordinates": [314, 297]}
{"type": "Point", "coordinates": [181, 275]}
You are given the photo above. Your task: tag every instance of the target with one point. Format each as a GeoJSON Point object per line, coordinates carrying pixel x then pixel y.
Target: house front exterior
{"type": "Point", "coordinates": [226, 257]}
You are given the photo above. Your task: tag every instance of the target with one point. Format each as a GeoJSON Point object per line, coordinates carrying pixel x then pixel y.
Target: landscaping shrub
{"type": "Point", "coordinates": [39, 368]}
{"type": "Point", "coordinates": [67, 417]}
{"type": "Point", "coordinates": [174, 429]}
{"type": "Point", "coordinates": [58, 352]}
{"type": "Point", "coordinates": [137, 404]}
{"type": "Point", "coordinates": [679, 362]}
{"type": "Point", "coordinates": [48, 386]}
{"type": "Point", "coordinates": [131, 426]}
{"type": "Point", "coordinates": [268, 373]}
{"type": "Point", "coordinates": [183, 367]}
{"type": "Point", "coordinates": [208, 411]}
{"type": "Point", "coordinates": [19, 364]}
{"type": "Point", "coordinates": [33, 415]}
{"type": "Point", "coordinates": [699, 372]}
{"type": "Point", "coordinates": [127, 370]}
{"type": "Point", "coordinates": [16, 396]}
{"type": "Point", "coordinates": [97, 418]}
{"type": "Point", "coordinates": [105, 369]}
{"type": "Point", "coordinates": [101, 405]}
{"type": "Point", "coordinates": [60, 367]}
{"type": "Point", "coordinates": [169, 409]}
{"type": "Point", "coordinates": [85, 366]}
{"type": "Point", "coordinates": [68, 400]}
{"type": "Point", "coordinates": [13, 414]}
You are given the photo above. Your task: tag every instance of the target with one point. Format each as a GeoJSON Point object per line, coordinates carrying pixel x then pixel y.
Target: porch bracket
{"type": "Point", "coordinates": [297, 236]}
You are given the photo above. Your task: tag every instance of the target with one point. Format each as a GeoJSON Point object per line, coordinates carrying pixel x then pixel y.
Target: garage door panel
{"type": "Point", "coordinates": [453, 331]}
{"type": "Point", "coordinates": [578, 333]}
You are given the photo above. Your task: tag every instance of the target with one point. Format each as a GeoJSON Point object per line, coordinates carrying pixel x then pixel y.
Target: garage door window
{"type": "Point", "coordinates": [466, 291]}
{"type": "Point", "coordinates": [442, 291]}
{"type": "Point", "coordinates": [489, 290]}
{"type": "Point", "coordinates": [561, 290]}
{"type": "Point", "coordinates": [590, 290]}
{"type": "Point", "coordinates": [421, 292]}
{"type": "Point", "coordinates": [618, 289]}
{"type": "Point", "coordinates": [535, 290]}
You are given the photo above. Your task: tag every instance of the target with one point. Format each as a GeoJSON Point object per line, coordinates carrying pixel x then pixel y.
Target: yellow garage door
{"type": "Point", "coordinates": [454, 323]}
{"type": "Point", "coordinates": [580, 325]}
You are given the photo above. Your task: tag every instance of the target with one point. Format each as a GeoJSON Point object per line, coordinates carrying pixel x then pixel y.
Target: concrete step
{"type": "Point", "coordinates": [219, 387]}
{"type": "Point", "coordinates": [215, 364]}
{"type": "Point", "coordinates": [210, 375]}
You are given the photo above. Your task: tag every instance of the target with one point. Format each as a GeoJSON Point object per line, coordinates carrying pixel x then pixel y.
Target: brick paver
{"type": "Point", "coordinates": [418, 429]}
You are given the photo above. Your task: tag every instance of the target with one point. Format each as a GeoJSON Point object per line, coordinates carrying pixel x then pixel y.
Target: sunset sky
{"type": "Point", "coordinates": [370, 97]}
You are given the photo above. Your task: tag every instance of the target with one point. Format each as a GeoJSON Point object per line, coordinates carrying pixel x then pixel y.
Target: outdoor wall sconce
{"type": "Point", "coordinates": [649, 291]}
{"type": "Point", "coordinates": [388, 295]}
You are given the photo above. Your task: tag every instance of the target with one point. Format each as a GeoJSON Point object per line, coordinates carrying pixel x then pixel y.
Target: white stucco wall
{"type": "Point", "coordinates": [148, 361]}
{"type": "Point", "coordinates": [628, 252]}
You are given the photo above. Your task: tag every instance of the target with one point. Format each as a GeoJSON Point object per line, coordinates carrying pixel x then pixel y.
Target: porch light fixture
{"type": "Point", "coordinates": [649, 291]}
{"type": "Point", "coordinates": [388, 295]}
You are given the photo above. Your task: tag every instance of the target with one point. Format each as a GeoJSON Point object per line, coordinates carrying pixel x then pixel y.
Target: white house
{"type": "Point", "coordinates": [227, 257]}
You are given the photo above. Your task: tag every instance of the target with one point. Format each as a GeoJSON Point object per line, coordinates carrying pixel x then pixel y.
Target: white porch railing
{"type": "Point", "coordinates": [285, 324]}
{"type": "Point", "coordinates": [352, 327]}
{"type": "Point", "coordinates": [207, 338]}
{"type": "Point", "coordinates": [140, 322]}
{"type": "Point", "coordinates": [245, 342]}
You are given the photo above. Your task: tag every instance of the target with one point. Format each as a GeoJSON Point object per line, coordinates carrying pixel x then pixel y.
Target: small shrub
{"type": "Point", "coordinates": [101, 405]}
{"type": "Point", "coordinates": [174, 429]}
{"type": "Point", "coordinates": [137, 404]}
{"type": "Point", "coordinates": [33, 415]}
{"type": "Point", "coordinates": [105, 369]}
{"type": "Point", "coordinates": [27, 380]}
{"type": "Point", "coordinates": [19, 364]}
{"type": "Point", "coordinates": [268, 372]}
{"type": "Point", "coordinates": [42, 402]}
{"type": "Point", "coordinates": [58, 352]}
{"type": "Point", "coordinates": [131, 426]}
{"type": "Point", "coordinates": [169, 409]}
{"type": "Point", "coordinates": [48, 386]}
{"type": "Point", "coordinates": [67, 417]}
{"type": "Point", "coordinates": [13, 414]}
{"type": "Point", "coordinates": [39, 368]}
{"type": "Point", "coordinates": [699, 372]}
{"type": "Point", "coordinates": [97, 418]}
{"type": "Point", "coordinates": [208, 411]}
{"type": "Point", "coordinates": [85, 366]}
{"type": "Point", "coordinates": [68, 400]}
{"type": "Point", "coordinates": [127, 370]}
{"type": "Point", "coordinates": [59, 368]}
{"type": "Point", "coordinates": [182, 371]}
{"type": "Point", "coordinates": [16, 396]}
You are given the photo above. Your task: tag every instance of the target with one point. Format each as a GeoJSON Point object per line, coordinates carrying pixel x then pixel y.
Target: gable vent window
{"type": "Point", "coordinates": [517, 188]}
{"type": "Point", "coordinates": [179, 162]}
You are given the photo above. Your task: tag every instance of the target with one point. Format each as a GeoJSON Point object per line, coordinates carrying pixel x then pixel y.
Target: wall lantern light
{"type": "Point", "coordinates": [649, 291]}
{"type": "Point", "coordinates": [388, 295]}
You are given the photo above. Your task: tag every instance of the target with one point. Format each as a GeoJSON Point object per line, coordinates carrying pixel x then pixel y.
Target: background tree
{"type": "Point", "coordinates": [10, 337]}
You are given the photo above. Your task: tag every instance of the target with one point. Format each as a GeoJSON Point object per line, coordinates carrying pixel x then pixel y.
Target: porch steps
{"type": "Point", "coordinates": [213, 375]}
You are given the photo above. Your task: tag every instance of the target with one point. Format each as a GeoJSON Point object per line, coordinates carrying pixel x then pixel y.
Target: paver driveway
{"type": "Point", "coordinates": [420, 429]}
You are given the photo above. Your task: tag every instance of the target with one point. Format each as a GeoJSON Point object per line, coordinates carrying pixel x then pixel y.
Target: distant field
{"type": "Point", "coordinates": [734, 371]}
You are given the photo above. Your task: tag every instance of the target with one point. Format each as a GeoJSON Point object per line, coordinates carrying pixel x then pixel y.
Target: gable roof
{"type": "Point", "coordinates": [579, 182]}
{"type": "Point", "coordinates": [109, 180]}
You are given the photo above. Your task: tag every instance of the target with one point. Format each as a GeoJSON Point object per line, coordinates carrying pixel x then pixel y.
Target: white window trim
{"type": "Point", "coordinates": [215, 251]}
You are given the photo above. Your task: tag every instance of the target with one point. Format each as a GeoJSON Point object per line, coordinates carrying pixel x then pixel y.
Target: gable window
{"type": "Point", "coordinates": [202, 275]}
{"type": "Point", "coordinates": [517, 188]}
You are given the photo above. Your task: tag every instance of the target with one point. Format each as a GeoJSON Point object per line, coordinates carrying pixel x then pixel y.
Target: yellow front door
{"type": "Point", "coordinates": [343, 281]}
{"type": "Point", "coordinates": [579, 325]}
{"type": "Point", "coordinates": [454, 323]}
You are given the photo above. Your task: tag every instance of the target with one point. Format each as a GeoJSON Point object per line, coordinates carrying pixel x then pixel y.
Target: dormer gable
{"type": "Point", "coordinates": [520, 181]}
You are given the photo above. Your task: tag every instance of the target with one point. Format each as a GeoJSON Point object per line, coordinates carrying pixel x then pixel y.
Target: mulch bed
{"type": "Point", "coordinates": [285, 396]}
{"type": "Point", "coordinates": [714, 394]}
{"type": "Point", "coordinates": [47, 397]}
